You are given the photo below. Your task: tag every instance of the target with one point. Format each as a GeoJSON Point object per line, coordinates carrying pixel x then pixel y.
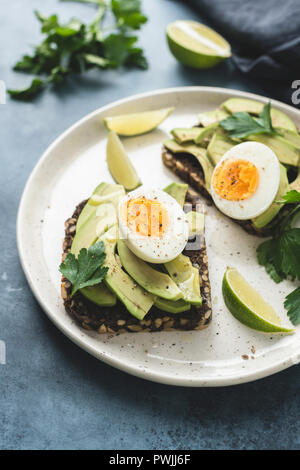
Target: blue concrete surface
{"type": "Point", "coordinates": [52, 394]}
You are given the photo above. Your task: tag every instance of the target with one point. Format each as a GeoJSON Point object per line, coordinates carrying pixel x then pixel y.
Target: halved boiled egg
{"type": "Point", "coordinates": [245, 181]}
{"type": "Point", "coordinates": [153, 225]}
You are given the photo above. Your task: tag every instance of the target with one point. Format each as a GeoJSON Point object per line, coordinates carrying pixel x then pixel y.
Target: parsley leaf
{"type": "Point", "coordinates": [26, 94]}
{"type": "Point", "coordinates": [74, 47]}
{"type": "Point", "coordinates": [242, 124]}
{"type": "Point", "coordinates": [87, 269]}
{"type": "Point", "coordinates": [265, 120]}
{"type": "Point", "coordinates": [292, 304]}
{"type": "Point", "coordinates": [291, 197]}
{"type": "Point", "coordinates": [265, 255]}
{"type": "Point", "coordinates": [128, 13]}
{"type": "Point", "coordinates": [120, 50]}
{"type": "Point", "coordinates": [280, 255]}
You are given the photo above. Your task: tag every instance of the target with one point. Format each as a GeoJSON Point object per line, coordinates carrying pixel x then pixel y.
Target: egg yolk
{"type": "Point", "coordinates": [236, 180]}
{"type": "Point", "coordinates": [145, 217]}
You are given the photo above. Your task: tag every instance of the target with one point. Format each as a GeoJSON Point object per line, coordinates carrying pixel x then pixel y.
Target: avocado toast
{"type": "Point", "coordinates": [194, 153]}
{"type": "Point", "coordinates": [115, 317]}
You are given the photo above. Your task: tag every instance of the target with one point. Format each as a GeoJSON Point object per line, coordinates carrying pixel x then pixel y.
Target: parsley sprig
{"type": "Point", "coordinates": [280, 255]}
{"type": "Point", "coordinates": [87, 269]}
{"type": "Point", "coordinates": [240, 125]}
{"type": "Point", "coordinates": [292, 304]}
{"type": "Point", "coordinates": [75, 47]}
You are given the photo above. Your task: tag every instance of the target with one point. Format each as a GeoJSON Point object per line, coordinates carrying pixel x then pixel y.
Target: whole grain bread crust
{"type": "Point", "coordinates": [117, 319]}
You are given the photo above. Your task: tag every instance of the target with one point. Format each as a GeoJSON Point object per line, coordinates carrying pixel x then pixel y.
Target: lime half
{"type": "Point", "coordinates": [196, 45]}
{"type": "Point", "coordinates": [248, 306]}
{"type": "Point", "coordinates": [137, 123]}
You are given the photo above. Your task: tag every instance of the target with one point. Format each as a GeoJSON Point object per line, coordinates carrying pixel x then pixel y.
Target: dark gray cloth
{"type": "Point", "coordinates": [264, 34]}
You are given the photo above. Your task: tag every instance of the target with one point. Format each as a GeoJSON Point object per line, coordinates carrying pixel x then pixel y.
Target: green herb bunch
{"type": "Point", "coordinates": [75, 47]}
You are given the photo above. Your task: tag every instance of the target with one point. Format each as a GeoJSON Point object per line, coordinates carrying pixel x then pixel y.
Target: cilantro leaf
{"type": "Point", "coordinates": [291, 197]}
{"type": "Point", "coordinates": [281, 255]}
{"type": "Point", "coordinates": [96, 60]}
{"type": "Point", "coordinates": [26, 64]}
{"type": "Point", "coordinates": [266, 252]}
{"type": "Point", "coordinates": [121, 50]}
{"type": "Point", "coordinates": [288, 255]}
{"type": "Point", "coordinates": [242, 124]}
{"type": "Point", "coordinates": [265, 120]}
{"type": "Point", "coordinates": [292, 304]}
{"type": "Point", "coordinates": [48, 23]}
{"type": "Point", "coordinates": [87, 269]}
{"type": "Point", "coordinates": [28, 93]}
{"type": "Point", "coordinates": [128, 13]}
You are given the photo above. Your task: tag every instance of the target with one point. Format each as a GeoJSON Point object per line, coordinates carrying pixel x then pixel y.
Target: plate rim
{"type": "Point", "coordinates": [150, 375]}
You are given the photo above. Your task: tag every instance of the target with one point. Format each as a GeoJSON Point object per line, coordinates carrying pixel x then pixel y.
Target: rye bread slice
{"type": "Point", "coordinates": [189, 170]}
{"type": "Point", "coordinates": [117, 319]}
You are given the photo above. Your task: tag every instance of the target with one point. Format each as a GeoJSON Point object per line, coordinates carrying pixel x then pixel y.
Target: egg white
{"type": "Point", "coordinates": [173, 240]}
{"type": "Point", "coordinates": [268, 168]}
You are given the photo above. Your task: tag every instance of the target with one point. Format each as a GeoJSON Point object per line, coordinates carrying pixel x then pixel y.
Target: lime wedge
{"type": "Point", "coordinates": [248, 306]}
{"type": "Point", "coordinates": [196, 45]}
{"type": "Point", "coordinates": [137, 123]}
{"type": "Point", "coordinates": [119, 164]}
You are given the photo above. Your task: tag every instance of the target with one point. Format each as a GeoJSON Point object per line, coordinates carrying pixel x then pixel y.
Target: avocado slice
{"type": "Point", "coordinates": [186, 277]}
{"type": "Point", "coordinates": [211, 117]}
{"type": "Point", "coordinates": [218, 146]}
{"type": "Point", "coordinates": [266, 217]}
{"type": "Point", "coordinates": [100, 295]}
{"type": "Point", "coordinates": [279, 119]}
{"type": "Point", "coordinates": [199, 153]}
{"type": "Point", "coordinates": [289, 136]}
{"type": "Point", "coordinates": [114, 198]}
{"type": "Point", "coordinates": [183, 135]}
{"type": "Point", "coordinates": [198, 135]}
{"type": "Point", "coordinates": [103, 189]}
{"type": "Point", "coordinates": [101, 220]}
{"type": "Point", "coordinates": [153, 281]}
{"type": "Point", "coordinates": [286, 152]}
{"type": "Point", "coordinates": [177, 191]}
{"type": "Point", "coordinates": [172, 306]}
{"type": "Point", "coordinates": [206, 134]}
{"type": "Point", "coordinates": [136, 300]}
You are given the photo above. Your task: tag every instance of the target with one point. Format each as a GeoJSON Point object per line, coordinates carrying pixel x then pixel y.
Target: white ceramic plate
{"type": "Point", "coordinates": [68, 172]}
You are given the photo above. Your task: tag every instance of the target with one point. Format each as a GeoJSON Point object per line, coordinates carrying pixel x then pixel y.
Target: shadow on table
{"type": "Point", "coordinates": [226, 72]}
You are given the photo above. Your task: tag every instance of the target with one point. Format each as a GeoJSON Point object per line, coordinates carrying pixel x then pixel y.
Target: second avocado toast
{"type": "Point", "coordinates": [194, 152]}
{"type": "Point", "coordinates": [128, 303]}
